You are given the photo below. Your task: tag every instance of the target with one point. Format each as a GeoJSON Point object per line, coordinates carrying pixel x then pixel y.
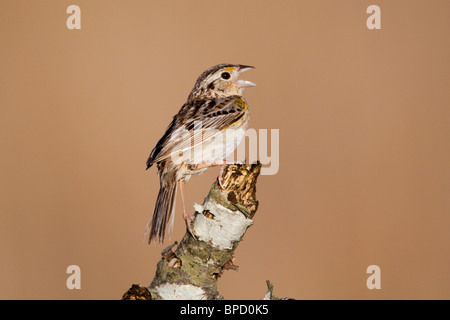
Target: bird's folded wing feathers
{"type": "Point", "coordinates": [197, 123]}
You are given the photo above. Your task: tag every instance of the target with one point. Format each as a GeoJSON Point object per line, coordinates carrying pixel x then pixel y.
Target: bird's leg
{"type": "Point", "coordinates": [220, 178]}
{"type": "Point", "coordinates": [221, 163]}
{"type": "Point", "coordinates": [186, 216]}
{"type": "Point", "coordinates": [204, 165]}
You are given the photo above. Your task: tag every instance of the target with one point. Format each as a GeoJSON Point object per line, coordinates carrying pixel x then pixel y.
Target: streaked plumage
{"type": "Point", "coordinates": [195, 140]}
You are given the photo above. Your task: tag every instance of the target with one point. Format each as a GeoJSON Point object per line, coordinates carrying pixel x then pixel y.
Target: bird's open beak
{"type": "Point", "coordinates": [243, 68]}
{"type": "Point", "coordinates": [244, 83]}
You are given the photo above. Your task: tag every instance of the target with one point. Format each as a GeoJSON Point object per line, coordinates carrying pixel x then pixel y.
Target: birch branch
{"type": "Point", "coordinates": [191, 271]}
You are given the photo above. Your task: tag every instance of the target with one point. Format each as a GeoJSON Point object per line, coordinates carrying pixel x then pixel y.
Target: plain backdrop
{"type": "Point", "coordinates": [363, 117]}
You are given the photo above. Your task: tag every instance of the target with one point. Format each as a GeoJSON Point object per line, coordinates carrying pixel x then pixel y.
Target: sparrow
{"type": "Point", "coordinates": [207, 128]}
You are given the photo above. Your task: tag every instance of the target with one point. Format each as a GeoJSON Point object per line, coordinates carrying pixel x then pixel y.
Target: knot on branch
{"type": "Point", "coordinates": [238, 188]}
{"type": "Point", "coordinates": [137, 292]}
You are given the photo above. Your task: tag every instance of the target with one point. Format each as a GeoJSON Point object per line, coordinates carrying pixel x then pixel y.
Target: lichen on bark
{"type": "Point", "coordinates": [191, 270]}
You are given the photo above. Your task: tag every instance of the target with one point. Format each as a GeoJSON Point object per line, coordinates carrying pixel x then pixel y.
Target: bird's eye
{"type": "Point", "coordinates": [225, 75]}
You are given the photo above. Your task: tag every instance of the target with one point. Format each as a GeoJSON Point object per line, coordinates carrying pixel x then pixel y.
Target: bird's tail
{"type": "Point", "coordinates": [164, 211]}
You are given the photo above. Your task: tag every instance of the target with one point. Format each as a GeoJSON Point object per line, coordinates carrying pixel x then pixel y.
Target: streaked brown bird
{"type": "Point", "coordinates": [208, 128]}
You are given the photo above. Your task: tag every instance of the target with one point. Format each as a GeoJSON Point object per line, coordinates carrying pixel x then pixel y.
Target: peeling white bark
{"type": "Point", "coordinates": [225, 228]}
{"type": "Point", "coordinates": [172, 291]}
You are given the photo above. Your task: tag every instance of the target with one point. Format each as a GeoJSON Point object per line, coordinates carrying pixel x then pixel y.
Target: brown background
{"type": "Point", "coordinates": [364, 142]}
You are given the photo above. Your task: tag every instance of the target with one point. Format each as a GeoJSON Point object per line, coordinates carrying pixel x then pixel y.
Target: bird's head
{"type": "Point", "coordinates": [221, 81]}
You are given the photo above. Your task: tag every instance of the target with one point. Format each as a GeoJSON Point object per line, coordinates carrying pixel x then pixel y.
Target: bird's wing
{"type": "Point", "coordinates": [197, 122]}
{"type": "Point", "coordinates": [160, 144]}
